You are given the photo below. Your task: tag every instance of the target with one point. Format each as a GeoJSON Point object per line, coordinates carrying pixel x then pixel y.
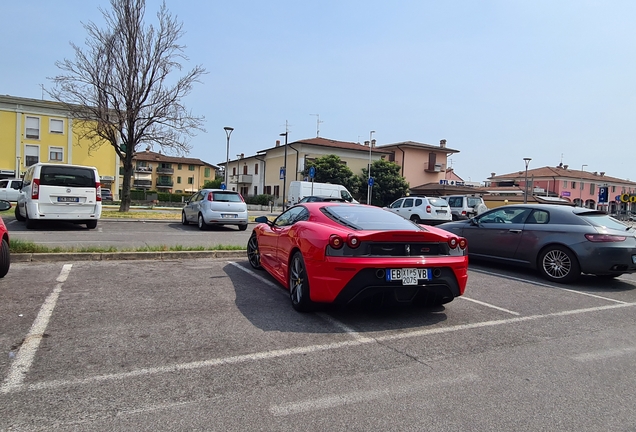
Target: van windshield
{"type": "Point", "coordinates": [67, 176]}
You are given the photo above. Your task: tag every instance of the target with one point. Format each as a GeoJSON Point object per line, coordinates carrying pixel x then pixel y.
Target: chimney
{"type": "Point", "coordinates": [565, 166]}
{"type": "Point", "coordinates": [442, 143]}
{"type": "Point", "coordinates": [277, 143]}
{"type": "Point", "coordinates": [373, 143]}
{"type": "Point", "coordinates": [602, 173]}
{"type": "Point", "coordinates": [242, 155]}
{"type": "Point", "coordinates": [492, 174]}
{"type": "Point", "coordinates": [366, 143]}
{"type": "Point", "coordinates": [595, 173]}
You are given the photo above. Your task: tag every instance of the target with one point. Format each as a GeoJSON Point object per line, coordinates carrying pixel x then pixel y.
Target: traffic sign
{"type": "Point", "coordinates": [371, 181]}
{"type": "Point", "coordinates": [312, 172]}
{"type": "Point", "coordinates": [602, 195]}
{"type": "Point", "coordinates": [223, 187]}
{"type": "Point", "coordinates": [282, 173]}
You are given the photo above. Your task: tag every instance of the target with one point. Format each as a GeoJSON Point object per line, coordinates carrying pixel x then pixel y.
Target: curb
{"type": "Point", "coordinates": [124, 256]}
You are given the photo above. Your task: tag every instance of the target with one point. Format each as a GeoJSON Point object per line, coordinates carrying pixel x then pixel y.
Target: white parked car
{"type": "Point", "coordinates": [422, 210]}
{"type": "Point", "coordinates": [10, 189]}
{"type": "Point", "coordinates": [215, 207]}
{"type": "Point", "coordinates": [60, 192]}
{"type": "Point", "coordinates": [465, 206]}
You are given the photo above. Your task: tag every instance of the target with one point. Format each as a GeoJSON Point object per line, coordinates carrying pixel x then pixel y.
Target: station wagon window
{"type": "Point", "coordinates": [397, 204]}
{"type": "Point", "coordinates": [408, 202]}
{"type": "Point", "coordinates": [538, 217]}
{"type": "Point", "coordinates": [418, 202]}
{"type": "Point", "coordinates": [504, 215]}
{"type": "Point", "coordinates": [56, 126]}
{"type": "Point", "coordinates": [32, 127]}
{"type": "Point", "coordinates": [56, 154]}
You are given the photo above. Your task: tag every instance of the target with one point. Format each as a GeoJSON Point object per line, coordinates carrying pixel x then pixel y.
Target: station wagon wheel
{"type": "Point", "coordinates": [415, 218]}
{"type": "Point", "coordinates": [559, 264]}
{"type": "Point", "coordinates": [298, 284]}
{"type": "Point", "coordinates": [5, 258]}
{"type": "Point", "coordinates": [201, 222]}
{"type": "Point", "coordinates": [184, 221]}
{"type": "Point", "coordinates": [253, 253]}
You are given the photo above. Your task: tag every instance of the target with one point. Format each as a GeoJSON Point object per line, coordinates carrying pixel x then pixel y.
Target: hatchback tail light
{"type": "Point", "coordinates": [335, 241]}
{"type": "Point", "coordinates": [35, 189]}
{"type": "Point", "coordinates": [241, 196]}
{"type": "Point", "coordinates": [210, 196]}
{"type": "Point", "coordinates": [98, 192]}
{"type": "Point", "coordinates": [604, 238]}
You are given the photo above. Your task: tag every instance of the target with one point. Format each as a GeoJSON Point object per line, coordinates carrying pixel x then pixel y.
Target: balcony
{"type": "Point", "coordinates": [143, 169]}
{"type": "Point", "coordinates": [245, 178]}
{"type": "Point", "coordinates": [165, 184]}
{"type": "Point", "coordinates": [434, 167]}
{"type": "Point", "coordinates": [161, 170]}
{"type": "Point", "coordinates": [142, 184]}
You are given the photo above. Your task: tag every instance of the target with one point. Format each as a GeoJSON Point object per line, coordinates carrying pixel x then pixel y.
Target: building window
{"type": "Point", "coordinates": [233, 170]}
{"type": "Point", "coordinates": [592, 188]}
{"type": "Point", "coordinates": [255, 190]}
{"type": "Point", "coordinates": [206, 174]}
{"type": "Point", "coordinates": [613, 189]}
{"type": "Point", "coordinates": [573, 185]}
{"type": "Point", "coordinates": [190, 180]}
{"type": "Point", "coordinates": [56, 154]}
{"type": "Point", "coordinates": [33, 127]}
{"type": "Point", "coordinates": [178, 179]}
{"type": "Point", "coordinates": [191, 167]}
{"type": "Point", "coordinates": [245, 169]}
{"type": "Point", "coordinates": [268, 190]}
{"type": "Point", "coordinates": [31, 155]}
{"type": "Point", "coordinates": [255, 170]}
{"type": "Point", "coordinates": [582, 185]}
{"type": "Point", "coordinates": [178, 166]}
{"type": "Point", "coordinates": [565, 184]}
{"type": "Point", "coordinates": [56, 126]}
{"type": "Point", "coordinates": [276, 191]}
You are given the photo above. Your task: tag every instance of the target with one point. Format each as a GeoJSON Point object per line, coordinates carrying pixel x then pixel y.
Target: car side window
{"type": "Point", "coordinates": [454, 201]}
{"type": "Point", "coordinates": [196, 197]}
{"type": "Point", "coordinates": [290, 216]}
{"type": "Point", "coordinates": [538, 217]}
{"type": "Point", "coordinates": [408, 202]}
{"type": "Point", "coordinates": [504, 215]}
{"type": "Point", "coordinates": [397, 204]}
{"type": "Point", "coordinates": [16, 184]}
{"type": "Point", "coordinates": [418, 202]}
{"type": "Point", "coordinates": [3, 184]}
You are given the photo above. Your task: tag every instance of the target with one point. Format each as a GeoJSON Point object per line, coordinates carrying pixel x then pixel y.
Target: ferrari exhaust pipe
{"type": "Point", "coordinates": [380, 273]}
{"type": "Point", "coordinates": [437, 272]}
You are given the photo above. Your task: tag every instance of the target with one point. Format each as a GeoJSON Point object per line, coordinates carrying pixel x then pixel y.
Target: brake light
{"type": "Point", "coordinates": [241, 197]}
{"type": "Point", "coordinates": [463, 212]}
{"type": "Point", "coordinates": [210, 196]}
{"type": "Point", "coordinates": [452, 242]}
{"type": "Point", "coordinates": [604, 238]}
{"type": "Point", "coordinates": [353, 241]}
{"type": "Point", "coordinates": [35, 189]}
{"type": "Point", "coordinates": [463, 243]}
{"type": "Point", "coordinates": [98, 192]}
{"type": "Point", "coordinates": [428, 209]}
{"type": "Point", "coordinates": [335, 241]}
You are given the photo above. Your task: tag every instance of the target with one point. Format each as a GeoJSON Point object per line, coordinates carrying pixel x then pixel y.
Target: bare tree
{"type": "Point", "coordinates": [119, 88]}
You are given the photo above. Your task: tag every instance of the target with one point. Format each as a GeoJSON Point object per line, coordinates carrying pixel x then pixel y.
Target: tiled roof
{"type": "Point", "coordinates": [158, 157]}
{"type": "Point", "coordinates": [325, 142]}
{"type": "Point", "coordinates": [420, 145]}
{"type": "Point", "coordinates": [561, 173]}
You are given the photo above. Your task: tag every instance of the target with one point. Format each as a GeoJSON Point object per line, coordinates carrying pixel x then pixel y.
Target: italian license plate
{"type": "Point", "coordinates": [408, 276]}
{"type": "Point", "coordinates": [228, 216]}
{"type": "Point", "coordinates": [67, 199]}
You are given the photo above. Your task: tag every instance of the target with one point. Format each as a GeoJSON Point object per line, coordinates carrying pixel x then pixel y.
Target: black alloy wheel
{"type": "Point", "coordinates": [298, 284]}
{"type": "Point", "coordinates": [253, 253]}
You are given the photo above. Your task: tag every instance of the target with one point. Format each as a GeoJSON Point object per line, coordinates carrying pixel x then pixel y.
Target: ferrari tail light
{"type": "Point", "coordinates": [452, 242]}
{"type": "Point", "coordinates": [604, 238]}
{"type": "Point", "coordinates": [210, 196]}
{"type": "Point", "coordinates": [335, 241]}
{"type": "Point", "coordinates": [353, 241]}
{"type": "Point", "coordinates": [35, 189]}
{"type": "Point", "coordinates": [428, 209]}
{"type": "Point", "coordinates": [98, 191]}
{"type": "Point", "coordinates": [463, 243]}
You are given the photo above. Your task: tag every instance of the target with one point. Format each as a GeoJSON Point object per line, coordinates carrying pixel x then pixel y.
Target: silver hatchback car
{"type": "Point", "coordinates": [215, 207]}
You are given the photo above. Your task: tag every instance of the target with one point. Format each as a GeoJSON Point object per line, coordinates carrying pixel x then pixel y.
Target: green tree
{"type": "Point", "coordinates": [331, 169]}
{"type": "Point", "coordinates": [121, 89]}
{"type": "Point", "coordinates": [213, 184]}
{"type": "Point", "coordinates": [388, 184]}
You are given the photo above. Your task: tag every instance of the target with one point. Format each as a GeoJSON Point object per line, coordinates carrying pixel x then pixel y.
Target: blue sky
{"type": "Point", "coordinates": [499, 80]}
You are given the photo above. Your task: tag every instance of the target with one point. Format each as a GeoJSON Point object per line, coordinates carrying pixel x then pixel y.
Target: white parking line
{"type": "Point", "coordinates": [547, 285]}
{"type": "Point", "coordinates": [489, 305]}
{"type": "Point", "coordinates": [265, 355]}
{"type": "Point", "coordinates": [24, 358]}
{"type": "Point", "coordinates": [604, 354]}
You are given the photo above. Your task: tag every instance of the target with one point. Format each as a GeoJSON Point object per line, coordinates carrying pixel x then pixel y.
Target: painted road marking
{"type": "Point", "coordinates": [489, 305]}
{"type": "Point", "coordinates": [604, 354]}
{"type": "Point", "coordinates": [24, 358]}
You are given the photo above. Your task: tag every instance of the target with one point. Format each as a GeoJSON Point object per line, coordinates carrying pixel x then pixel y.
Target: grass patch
{"type": "Point", "coordinates": [21, 246]}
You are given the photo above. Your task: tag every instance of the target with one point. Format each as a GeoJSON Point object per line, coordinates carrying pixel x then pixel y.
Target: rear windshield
{"type": "Point", "coordinates": [438, 202]}
{"type": "Point", "coordinates": [368, 218]}
{"type": "Point", "coordinates": [472, 202]}
{"type": "Point", "coordinates": [226, 196]}
{"type": "Point", "coordinates": [67, 176]}
{"type": "Point", "coordinates": [603, 220]}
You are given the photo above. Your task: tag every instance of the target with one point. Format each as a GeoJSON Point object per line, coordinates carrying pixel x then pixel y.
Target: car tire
{"type": "Point", "coordinates": [201, 222]}
{"type": "Point", "coordinates": [299, 284]}
{"type": "Point", "coordinates": [184, 220]}
{"type": "Point", "coordinates": [242, 227]}
{"type": "Point", "coordinates": [18, 216]}
{"type": "Point", "coordinates": [91, 224]}
{"type": "Point", "coordinates": [30, 223]}
{"type": "Point", "coordinates": [253, 252]}
{"type": "Point", "coordinates": [559, 264]}
{"type": "Point", "coordinates": [5, 258]}
{"type": "Point", "coordinates": [415, 218]}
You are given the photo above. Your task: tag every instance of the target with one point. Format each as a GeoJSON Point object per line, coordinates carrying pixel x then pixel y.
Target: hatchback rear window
{"type": "Point", "coordinates": [67, 176]}
{"type": "Point", "coordinates": [226, 197]}
{"type": "Point", "coordinates": [603, 220]}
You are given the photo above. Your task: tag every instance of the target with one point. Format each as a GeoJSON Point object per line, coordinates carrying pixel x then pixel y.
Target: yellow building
{"type": "Point", "coordinates": [33, 131]}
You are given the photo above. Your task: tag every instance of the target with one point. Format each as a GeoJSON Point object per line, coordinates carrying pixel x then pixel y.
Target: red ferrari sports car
{"type": "Point", "coordinates": [329, 252]}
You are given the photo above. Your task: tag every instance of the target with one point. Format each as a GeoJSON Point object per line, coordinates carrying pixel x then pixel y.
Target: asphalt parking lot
{"type": "Point", "coordinates": [209, 344]}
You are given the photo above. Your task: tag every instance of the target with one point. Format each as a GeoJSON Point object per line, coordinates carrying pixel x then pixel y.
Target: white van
{"type": "Point", "coordinates": [60, 192]}
{"type": "Point", "coordinates": [300, 189]}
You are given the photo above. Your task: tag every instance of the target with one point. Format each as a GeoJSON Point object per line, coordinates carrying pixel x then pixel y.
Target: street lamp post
{"type": "Point", "coordinates": [581, 185]}
{"type": "Point", "coordinates": [285, 170]}
{"type": "Point", "coordinates": [238, 169]}
{"type": "Point", "coordinates": [369, 179]}
{"type": "Point", "coordinates": [228, 132]}
{"type": "Point", "coordinates": [525, 183]}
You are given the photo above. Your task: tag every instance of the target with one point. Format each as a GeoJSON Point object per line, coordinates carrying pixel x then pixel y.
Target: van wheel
{"type": "Point", "coordinates": [92, 224]}
{"type": "Point", "coordinates": [30, 223]}
{"type": "Point", "coordinates": [5, 258]}
{"type": "Point", "coordinates": [18, 216]}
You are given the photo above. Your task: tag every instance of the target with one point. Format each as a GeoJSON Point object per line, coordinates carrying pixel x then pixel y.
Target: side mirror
{"type": "Point", "coordinates": [261, 219]}
{"type": "Point", "coordinates": [4, 205]}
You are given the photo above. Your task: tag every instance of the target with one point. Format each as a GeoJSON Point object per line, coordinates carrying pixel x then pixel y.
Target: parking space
{"type": "Point", "coordinates": [149, 345]}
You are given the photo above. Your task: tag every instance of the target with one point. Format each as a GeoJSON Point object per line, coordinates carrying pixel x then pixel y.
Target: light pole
{"type": "Point", "coordinates": [369, 179]}
{"type": "Point", "coordinates": [525, 183]}
{"type": "Point", "coordinates": [238, 168]}
{"type": "Point", "coordinates": [285, 170]}
{"type": "Point", "coordinates": [228, 132]}
{"type": "Point", "coordinates": [581, 185]}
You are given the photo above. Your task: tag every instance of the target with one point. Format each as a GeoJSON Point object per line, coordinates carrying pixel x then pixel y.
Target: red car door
{"type": "Point", "coordinates": [286, 236]}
